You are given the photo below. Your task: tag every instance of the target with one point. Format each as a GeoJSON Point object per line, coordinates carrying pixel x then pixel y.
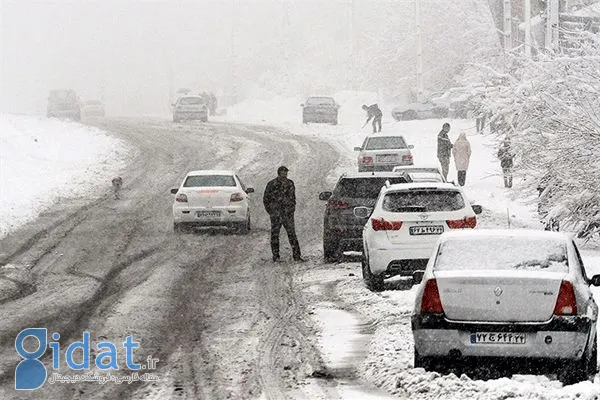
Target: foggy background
{"type": "Point", "coordinates": [133, 54]}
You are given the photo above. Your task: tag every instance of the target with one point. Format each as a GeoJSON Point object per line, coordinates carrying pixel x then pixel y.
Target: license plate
{"type": "Point", "coordinates": [498, 338]}
{"type": "Point", "coordinates": [387, 158]}
{"type": "Point", "coordinates": [206, 214]}
{"type": "Point", "coordinates": [426, 230]}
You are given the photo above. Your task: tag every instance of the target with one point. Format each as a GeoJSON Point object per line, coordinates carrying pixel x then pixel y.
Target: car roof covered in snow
{"type": "Point", "coordinates": [211, 172]}
{"type": "Point", "coordinates": [424, 185]}
{"type": "Point", "coordinates": [375, 174]}
{"type": "Point", "coordinates": [500, 233]}
{"type": "Point", "coordinates": [409, 167]}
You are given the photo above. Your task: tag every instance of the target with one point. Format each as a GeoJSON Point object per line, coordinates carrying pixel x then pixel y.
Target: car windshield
{"type": "Point", "coordinates": [209, 181]}
{"type": "Point", "coordinates": [364, 188]}
{"type": "Point", "coordinates": [385, 142]}
{"type": "Point", "coordinates": [191, 100]}
{"type": "Point", "coordinates": [320, 101]}
{"type": "Point", "coordinates": [505, 253]}
{"type": "Point", "coordinates": [423, 200]}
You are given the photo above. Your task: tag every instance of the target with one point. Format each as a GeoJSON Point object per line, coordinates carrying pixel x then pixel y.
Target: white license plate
{"type": "Point", "coordinates": [498, 338]}
{"type": "Point", "coordinates": [426, 230]}
{"type": "Point", "coordinates": [208, 214]}
{"type": "Point", "coordinates": [387, 158]}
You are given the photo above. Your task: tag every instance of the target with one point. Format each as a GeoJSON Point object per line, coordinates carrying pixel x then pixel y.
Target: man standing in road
{"type": "Point", "coordinates": [373, 112]}
{"type": "Point", "coordinates": [444, 148]}
{"type": "Point", "coordinates": [279, 200]}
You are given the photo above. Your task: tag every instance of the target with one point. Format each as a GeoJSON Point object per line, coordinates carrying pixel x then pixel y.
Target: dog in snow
{"type": "Point", "coordinates": [117, 183]}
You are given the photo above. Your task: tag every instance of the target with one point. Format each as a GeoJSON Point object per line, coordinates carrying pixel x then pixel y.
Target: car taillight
{"type": "Point", "coordinates": [566, 303]}
{"type": "Point", "coordinates": [367, 160]}
{"type": "Point", "coordinates": [407, 158]}
{"type": "Point", "coordinates": [181, 198]}
{"type": "Point", "coordinates": [338, 204]}
{"type": "Point", "coordinates": [466, 222]}
{"type": "Point", "coordinates": [236, 197]}
{"type": "Point", "coordinates": [431, 301]}
{"type": "Point", "coordinates": [383, 225]}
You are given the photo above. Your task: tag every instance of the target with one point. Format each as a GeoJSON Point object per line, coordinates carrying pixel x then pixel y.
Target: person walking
{"type": "Point", "coordinates": [373, 112]}
{"type": "Point", "coordinates": [506, 155]}
{"type": "Point", "coordinates": [279, 200]}
{"type": "Point", "coordinates": [444, 148]}
{"type": "Point", "coordinates": [461, 151]}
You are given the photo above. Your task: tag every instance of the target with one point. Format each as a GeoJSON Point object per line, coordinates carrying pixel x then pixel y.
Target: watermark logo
{"type": "Point", "coordinates": [31, 373]}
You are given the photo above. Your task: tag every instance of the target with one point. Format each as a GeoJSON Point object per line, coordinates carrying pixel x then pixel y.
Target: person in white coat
{"type": "Point", "coordinates": [461, 150]}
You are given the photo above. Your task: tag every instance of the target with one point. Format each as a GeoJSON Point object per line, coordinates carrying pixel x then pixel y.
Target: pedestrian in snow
{"type": "Point", "coordinates": [280, 202]}
{"type": "Point", "coordinates": [373, 112]}
{"type": "Point", "coordinates": [461, 151]}
{"type": "Point", "coordinates": [444, 148]}
{"type": "Point", "coordinates": [506, 155]}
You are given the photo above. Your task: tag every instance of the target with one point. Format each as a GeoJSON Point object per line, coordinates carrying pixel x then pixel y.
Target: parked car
{"type": "Point", "coordinates": [421, 174]}
{"type": "Point", "coordinates": [405, 224]}
{"type": "Point", "coordinates": [190, 107]}
{"type": "Point", "coordinates": [383, 152]}
{"type": "Point", "coordinates": [424, 110]}
{"type": "Point", "coordinates": [93, 108]}
{"type": "Point", "coordinates": [320, 109]}
{"type": "Point", "coordinates": [63, 103]}
{"type": "Point", "coordinates": [211, 198]}
{"type": "Point", "coordinates": [511, 294]}
{"type": "Point", "coordinates": [342, 230]}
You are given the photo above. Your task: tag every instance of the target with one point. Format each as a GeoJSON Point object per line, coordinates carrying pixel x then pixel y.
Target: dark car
{"type": "Point", "coordinates": [320, 109]}
{"type": "Point", "coordinates": [342, 230]}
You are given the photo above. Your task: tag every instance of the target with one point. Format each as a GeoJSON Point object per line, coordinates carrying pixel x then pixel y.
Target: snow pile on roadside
{"type": "Point", "coordinates": [46, 160]}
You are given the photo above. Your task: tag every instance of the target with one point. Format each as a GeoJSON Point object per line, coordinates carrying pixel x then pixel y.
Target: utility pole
{"type": "Point", "coordinates": [507, 13]}
{"type": "Point", "coordinates": [419, 51]}
{"type": "Point", "coordinates": [527, 19]}
{"type": "Point", "coordinates": [552, 25]}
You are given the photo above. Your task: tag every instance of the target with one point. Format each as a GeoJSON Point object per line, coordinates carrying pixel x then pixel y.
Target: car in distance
{"type": "Point", "coordinates": [320, 109]}
{"type": "Point", "coordinates": [342, 230]}
{"type": "Point", "coordinates": [421, 173]}
{"type": "Point", "coordinates": [508, 294]}
{"type": "Point", "coordinates": [63, 103]}
{"type": "Point", "coordinates": [425, 110]}
{"type": "Point", "coordinates": [190, 107]}
{"type": "Point", "coordinates": [211, 198]}
{"type": "Point", "coordinates": [383, 152]}
{"type": "Point", "coordinates": [93, 108]}
{"type": "Point", "coordinates": [405, 224]}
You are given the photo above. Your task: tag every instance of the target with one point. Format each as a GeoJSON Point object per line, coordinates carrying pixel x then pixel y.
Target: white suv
{"type": "Point", "coordinates": [211, 198]}
{"type": "Point", "coordinates": [405, 224]}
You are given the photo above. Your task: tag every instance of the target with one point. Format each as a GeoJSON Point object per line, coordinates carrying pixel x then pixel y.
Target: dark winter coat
{"type": "Point", "coordinates": [506, 156]}
{"type": "Point", "coordinates": [444, 145]}
{"type": "Point", "coordinates": [280, 196]}
{"type": "Point", "coordinates": [373, 111]}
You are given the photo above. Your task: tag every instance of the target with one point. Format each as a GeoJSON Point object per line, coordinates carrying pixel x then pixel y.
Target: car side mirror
{"type": "Point", "coordinates": [595, 280]}
{"type": "Point", "coordinates": [357, 149]}
{"type": "Point", "coordinates": [324, 195]}
{"type": "Point", "coordinates": [477, 209]}
{"type": "Point", "coordinates": [418, 276]}
{"type": "Point", "coordinates": [174, 191]}
{"type": "Point", "coordinates": [249, 190]}
{"type": "Point", "coordinates": [362, 212]}
{"type": "Point", "coordinates": [410, 146]}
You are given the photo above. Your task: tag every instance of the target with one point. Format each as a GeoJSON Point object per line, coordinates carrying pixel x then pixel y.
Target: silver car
{"type": "Point", "coordinates": [507, 294]}
{"type": "Point", "coordinates": [383, 152]}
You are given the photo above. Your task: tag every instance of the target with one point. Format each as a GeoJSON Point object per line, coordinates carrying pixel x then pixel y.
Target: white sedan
{"type": "Point", "coordinates": [405, 224]}
{"type": "Point", "coordinates": [211, 198]}
{"type": "Point", "coordinates": [507, 294]}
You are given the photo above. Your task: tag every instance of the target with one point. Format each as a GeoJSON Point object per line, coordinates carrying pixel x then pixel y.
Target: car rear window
{"type": "Point", "coordinates": [385, 142]}
{"type": "Point", "coordinates": [209, 180]}
{"type": "Point", "coordinates": [423, 201]}
{"type": "Point", "coordinates": [507, 253]}
{"type": "Point", "coordinates": [317, 101]}
{"type": "Point", "coordinates": [191, 100]}
{"type": "Point", "coordinates": [363, 188]}
{"type": "Point", "coordinates": [425, 177]}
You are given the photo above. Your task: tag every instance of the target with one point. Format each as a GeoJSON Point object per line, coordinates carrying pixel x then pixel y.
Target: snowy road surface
{"type": "Point", "coordinates": [224, 320]}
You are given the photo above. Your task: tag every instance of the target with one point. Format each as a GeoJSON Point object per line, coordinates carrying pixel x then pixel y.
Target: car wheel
{"type": "Point", "coordinates": [577, 371]}
{"type": "Point", "coordinates": [373, 282]}
{"type": "Point", "coordinates": [330, 249]}
{"type": "Point", "coordinates": [178, 228]}
{"type": "Point", "coordinates": [244, 227]}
